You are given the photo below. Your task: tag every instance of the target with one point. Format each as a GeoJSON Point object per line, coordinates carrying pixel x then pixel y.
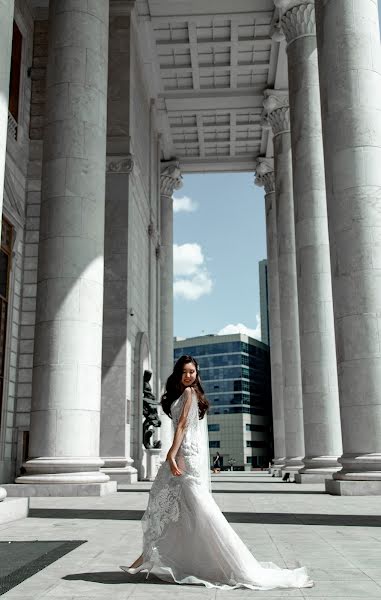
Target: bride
{"type": "Point", "coordinates": [186, 538]}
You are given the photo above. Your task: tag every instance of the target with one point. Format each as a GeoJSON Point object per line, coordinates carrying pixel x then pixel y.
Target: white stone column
{"type": "Point", "coordinates": [265, 177]}
{"type": "Point", "coordinates": [117, 378]}
{"type": "Point", "coordinates": [276, 106]}
{"type": "Point", "coordinates": [321, 415]}
{"type": "Point", "coordinates": [350, 79]}
{"type": "Point", "coordinates": [170, 180]}
{"type": "Point", "coordinates": [65, 417]}
{"type": "Point", "coordinates": [6, 29]}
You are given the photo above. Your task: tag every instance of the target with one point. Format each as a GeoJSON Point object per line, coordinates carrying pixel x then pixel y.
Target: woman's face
{"type": "Point", "coordinates": [189, 374]}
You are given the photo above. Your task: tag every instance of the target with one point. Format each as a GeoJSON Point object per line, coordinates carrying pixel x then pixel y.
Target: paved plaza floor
{"type": "Point", "coordinates": [337, 538]}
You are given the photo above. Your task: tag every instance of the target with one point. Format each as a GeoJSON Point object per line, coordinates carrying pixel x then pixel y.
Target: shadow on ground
{"type": "Point", "coordinates": [232, 517]}
{"type": "Point", "coordinates": [120, 577]}
{"type": "Point", "coordinates": [225, 491]}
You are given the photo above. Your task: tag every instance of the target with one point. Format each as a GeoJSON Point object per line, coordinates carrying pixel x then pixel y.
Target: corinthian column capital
{"type": "Point", "coordinates": [298, 19]}
{"type": "Point", "coordinates": [170, 177]}
{"type": "Point", "coordinates": [278, 112]}
{"type": "Point", "coordinates": [267, 181]}
{"type": "Point", "coordinates": [264, 174]}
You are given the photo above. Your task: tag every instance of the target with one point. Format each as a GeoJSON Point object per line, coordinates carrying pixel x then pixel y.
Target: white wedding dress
{"type": "Point", "coordinates": [187, 539]}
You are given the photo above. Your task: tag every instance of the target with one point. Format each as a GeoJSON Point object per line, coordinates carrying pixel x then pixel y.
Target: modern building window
{"type": "Point", "coordinates": [256, 444]}
{"type": "Point", "coordinates": [14, 82]}
{"type": "Point", "coordinates": [5, 267]}
{"type": "Point", "coordinates": [254, 427]}
{"type": "Point", "coordinates": [213, 427]}
{"type": "Point", "coordinates": [214, 444]}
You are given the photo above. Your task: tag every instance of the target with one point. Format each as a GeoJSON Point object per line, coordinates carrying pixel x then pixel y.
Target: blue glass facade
{"type": "Point", "coordinates": [235, 375]}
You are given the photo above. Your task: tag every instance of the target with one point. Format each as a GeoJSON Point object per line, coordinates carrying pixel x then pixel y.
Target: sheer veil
{"type": "Point", "coordinates": [204, 454]}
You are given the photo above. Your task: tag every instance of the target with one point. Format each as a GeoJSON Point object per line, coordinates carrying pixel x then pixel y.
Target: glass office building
{"type": "Point", "coordinates": [235, 372]}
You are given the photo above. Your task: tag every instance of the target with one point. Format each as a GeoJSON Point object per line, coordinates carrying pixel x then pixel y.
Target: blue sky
{"type": "Point", "coordinates": [219, 237]}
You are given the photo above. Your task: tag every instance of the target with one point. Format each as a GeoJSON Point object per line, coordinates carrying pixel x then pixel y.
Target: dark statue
{"type": "Point", "coordinates": [150, 413]}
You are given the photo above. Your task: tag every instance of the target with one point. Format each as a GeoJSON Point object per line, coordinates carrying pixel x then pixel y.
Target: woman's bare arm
{"type": "Point", "coordinates": [180, 432]}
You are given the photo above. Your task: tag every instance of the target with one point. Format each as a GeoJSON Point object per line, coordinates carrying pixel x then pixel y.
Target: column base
{"type": "Point", "coordinates": [293, 464]}
{"type": "Point", "coordinates": [122, 475]}
{"type": "Point", "coordinates": [278, 465]}
{"type": "Point", "coordinates": [48, 470]}
{"type": "Point", "coordinates": [120, 469]}
{"type": "Point", "coordinates": [318, 477]}
{"type": "Point", "coordinates": [337, 487]}
{"type": "Point", "coordinates": [12, 509]}
{"type": "Point", "coordinates": [60, 489]}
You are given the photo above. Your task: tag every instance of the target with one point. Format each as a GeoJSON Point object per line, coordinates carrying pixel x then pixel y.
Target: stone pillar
{"type": "Point", "coordinates": [321, 415]}
{"type": "Point", "coordinates": [265, 177]}
{"type": "Point", "coordinates": [6, 29]}
{"type": "Point", "coordinates": [170, 180]}
{"type": "Point", "coordinates": [276, 106]}
{"type": "Point", "coordinates": [117, 376]}
{"type": "Point", "coordinates": [350, 75]}
{"type": "Point", "coordinates": [65, 417]}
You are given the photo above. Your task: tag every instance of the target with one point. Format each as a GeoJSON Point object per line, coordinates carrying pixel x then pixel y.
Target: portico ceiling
{"type": "Point", "coordinates": [213, 59]}
{"type": "Point", "coordinates": [208, 63]}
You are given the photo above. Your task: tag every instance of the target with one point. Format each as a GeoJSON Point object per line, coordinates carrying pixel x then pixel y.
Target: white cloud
{"type": "Point", "coordinates": [193, 288]}
{"type": "Point", "coordinates": [187, 259]}
{"type": "Point", "coordinates": [241, 328]}
{"type": "Point", "coordinates": [192, 279]}
{"type": "Point", "coordinates": [184, 204]}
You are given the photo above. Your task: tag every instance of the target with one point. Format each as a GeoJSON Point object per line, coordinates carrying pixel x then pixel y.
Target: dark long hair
{"type": "Point", "coordinates": [174, 388]}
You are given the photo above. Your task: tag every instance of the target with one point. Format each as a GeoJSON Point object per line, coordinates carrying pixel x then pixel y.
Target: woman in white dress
{"type": "Point", "coordinates": [186, 538]}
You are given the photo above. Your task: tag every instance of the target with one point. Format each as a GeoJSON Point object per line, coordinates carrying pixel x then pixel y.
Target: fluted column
{"type": "Point", "coordinates": [170, 180]}
{"type": "Point", "coordinates": [350, 79]}
{"type": "Point", "coordinates": [265, 177]}
{"type": "Point", "coordinates": [6, 29]}
{"type": "Point", "coordinates": [65, 417]}
{"type": "Point", "coordinates": [321, 415]}
{"type": "Point", "coordinates": [276, 106]}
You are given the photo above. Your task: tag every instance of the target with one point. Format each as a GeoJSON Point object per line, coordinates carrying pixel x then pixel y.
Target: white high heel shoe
{"type": "Point", "coordinates": [145, 566]}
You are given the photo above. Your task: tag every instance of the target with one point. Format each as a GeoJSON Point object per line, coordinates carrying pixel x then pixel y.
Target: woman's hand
{"type": "Point", "coordinates": [172, 464]}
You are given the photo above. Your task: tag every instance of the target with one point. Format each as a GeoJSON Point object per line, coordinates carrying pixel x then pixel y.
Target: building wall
{"type": "Point", "coordinates": [20, 322]}
{"type": "Point", "coordinates": [143, 228]}
{"type": "Point", "coordinates": [236, 378]}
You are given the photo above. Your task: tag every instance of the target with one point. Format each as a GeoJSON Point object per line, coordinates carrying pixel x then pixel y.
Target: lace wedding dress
{"type": "Point", "coordinates": [187, 539]}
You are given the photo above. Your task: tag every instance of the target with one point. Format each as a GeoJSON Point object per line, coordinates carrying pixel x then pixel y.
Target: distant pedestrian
{"type": "Point", "coordinates": [217, 463]}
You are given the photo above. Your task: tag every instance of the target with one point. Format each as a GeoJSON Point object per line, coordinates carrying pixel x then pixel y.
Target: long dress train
{"type": "Point", "coordinates": [187, 539]}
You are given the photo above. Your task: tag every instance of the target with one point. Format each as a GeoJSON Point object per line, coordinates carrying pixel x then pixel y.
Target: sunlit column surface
{"type": "Point", "coordinates": [64, 434]}
{"type": "Point", "coordinates": [170, 180]}
{"type": "Point", "coordinates": [276, 106]}
{"type": "Point", "coordinates": [265, 177]}
{"type": "Point", "coordinates": [322, 430]}
{"type": "Point", "coordinates": [350, 80]}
